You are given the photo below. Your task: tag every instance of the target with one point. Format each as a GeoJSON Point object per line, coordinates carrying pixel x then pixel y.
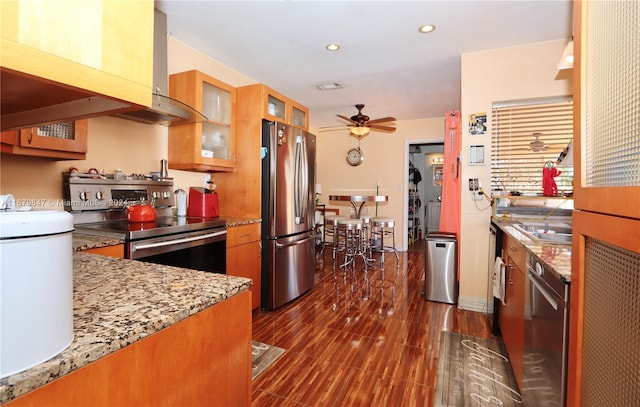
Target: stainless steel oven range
{"type": "Point", "coordinates": [98, 205]}
{"type": "Point", "coordinates": [546, 333]}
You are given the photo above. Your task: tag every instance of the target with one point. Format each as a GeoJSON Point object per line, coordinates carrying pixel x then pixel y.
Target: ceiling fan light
{"type": "Point", "coordinates": [359, 131]}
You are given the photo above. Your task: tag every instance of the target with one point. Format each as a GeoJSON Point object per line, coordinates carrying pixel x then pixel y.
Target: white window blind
{"type": "Point", "coordinates": [524, 137]}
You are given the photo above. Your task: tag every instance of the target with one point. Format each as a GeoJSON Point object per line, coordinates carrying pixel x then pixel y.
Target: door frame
{"type": "Point", "coordinates": [405, 188]}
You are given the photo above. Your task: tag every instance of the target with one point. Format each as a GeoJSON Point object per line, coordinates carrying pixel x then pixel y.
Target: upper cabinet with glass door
{"type": "Point", "coordinates": [281, 108]}
{"type": "Point", "coordinates": [61, 141]}
{"type": "Point", "coordinates": [207, 145]}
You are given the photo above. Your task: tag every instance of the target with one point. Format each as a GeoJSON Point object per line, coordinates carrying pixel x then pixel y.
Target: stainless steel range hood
{"type": "Point", "coordinates": [163, 110]}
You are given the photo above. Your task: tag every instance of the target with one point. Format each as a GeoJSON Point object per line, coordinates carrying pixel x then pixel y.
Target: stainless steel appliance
{"type": "Point", "coordinates": [441, 279]}
{"type": "Point", "coordinates": [98, 204]}
{"type": "Point", "coordinates": [493, 303]}
{"type": "Point", "coordinates": [288, 213]}
{"type": "Point", "coordinates": [546, 331]}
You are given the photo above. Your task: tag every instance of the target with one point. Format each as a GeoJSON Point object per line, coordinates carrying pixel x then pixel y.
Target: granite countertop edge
{"type": "Point", "coordinates": [555, 256]}
{"type": "Point", "coordinates": [118, 302]}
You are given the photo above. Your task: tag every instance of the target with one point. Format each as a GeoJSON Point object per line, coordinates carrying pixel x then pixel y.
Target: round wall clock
{"type": "Point", "coordinates": [355, 156]}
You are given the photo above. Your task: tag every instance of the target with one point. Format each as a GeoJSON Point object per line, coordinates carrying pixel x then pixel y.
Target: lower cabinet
{"type": "Point", "coordinates": [512, 314]}
{"type": "Point", "coordinates": [244, 250]}
{"type": "Point", "coordinates": [203, 360]}
{"type": "Point", "coordinates": [116, 251]}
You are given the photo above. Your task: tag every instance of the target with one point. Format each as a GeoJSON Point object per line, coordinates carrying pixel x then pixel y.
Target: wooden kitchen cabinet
{"type": "Point", "coordinates": [62, 141]}
{"type": "Point", "coordinates": [511, 315]}
{"type": "Point", "coordinates": [56, 52]}
{"type": "Point", "coordinates": [116, 251]}
{"type": "Point", "coordinates": [276, 106]}
{"type": "Point", "coordinates": [240, 190]}
{"type": "Point", "coordinates": [203, 360]}
{"type": "Point", "coordinates": [208, 144]}
{"type": "Point", "coordinates": [243, 256]}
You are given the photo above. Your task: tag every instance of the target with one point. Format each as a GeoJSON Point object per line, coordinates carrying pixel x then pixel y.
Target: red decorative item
{"type": "Point", "coordinates": [549, 187]}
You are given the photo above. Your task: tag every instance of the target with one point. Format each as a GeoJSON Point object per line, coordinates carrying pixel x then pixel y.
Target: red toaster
{"type": "Point", "coordinates": [203, 203]}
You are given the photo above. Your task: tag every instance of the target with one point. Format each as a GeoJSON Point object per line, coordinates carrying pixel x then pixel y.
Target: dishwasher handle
{"type": "Point", "coordinates": [547, 295]}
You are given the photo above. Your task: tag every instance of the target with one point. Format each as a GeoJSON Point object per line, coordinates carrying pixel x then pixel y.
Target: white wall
{"type": "Point", "coordinates": [524, 72]}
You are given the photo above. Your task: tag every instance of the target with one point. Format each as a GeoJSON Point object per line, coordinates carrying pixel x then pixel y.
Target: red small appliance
{"type": "Point", "coordinates": [203, 203]}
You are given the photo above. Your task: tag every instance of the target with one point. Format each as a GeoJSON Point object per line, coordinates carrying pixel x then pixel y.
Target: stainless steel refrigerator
{"type": "Point", "coordinates": [288, 213]}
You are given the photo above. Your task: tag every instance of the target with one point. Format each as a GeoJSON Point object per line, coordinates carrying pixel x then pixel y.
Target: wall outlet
{"type": "Point", "coordinates": [474, 184]}
{"type": "Point", "coordinates": [207, 180]}
{"type": "Point", "coordinates": [477, 195]}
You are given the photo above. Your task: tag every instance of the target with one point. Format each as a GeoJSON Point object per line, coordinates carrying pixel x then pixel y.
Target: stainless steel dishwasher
{"type": "Point", "coordinates": [546, 332]}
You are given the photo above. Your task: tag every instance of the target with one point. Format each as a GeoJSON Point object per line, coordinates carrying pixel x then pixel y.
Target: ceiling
{"type": "Point", "coordinates": [383, 63]}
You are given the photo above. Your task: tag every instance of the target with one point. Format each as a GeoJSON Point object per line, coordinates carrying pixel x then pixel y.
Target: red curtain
{"type": "Point", "coordinates": [450, 207]}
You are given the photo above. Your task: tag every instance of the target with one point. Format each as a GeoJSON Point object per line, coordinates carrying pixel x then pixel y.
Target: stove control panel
{"type": "Point", "coordinates": [93, 194]}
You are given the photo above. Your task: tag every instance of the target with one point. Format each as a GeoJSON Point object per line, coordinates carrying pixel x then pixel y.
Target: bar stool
{"type": "Point", "coordinates": [350, 236]}
{"type": "Point", "coordinates": [382, 227]}
{"type": "Point", "coordinates": [331, 231]}
{"type": "Point", "coordinates": [366, 234]}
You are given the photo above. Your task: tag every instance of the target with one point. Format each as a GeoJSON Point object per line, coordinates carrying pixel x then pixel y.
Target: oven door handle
{"type": "Point", "coordinates": [135, 247]}
{"type": "Point", "coordinates": [543, 291]}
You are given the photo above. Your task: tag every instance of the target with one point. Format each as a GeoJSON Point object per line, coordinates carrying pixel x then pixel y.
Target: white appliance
{"type": "Point", "coordinates": [36, 287]}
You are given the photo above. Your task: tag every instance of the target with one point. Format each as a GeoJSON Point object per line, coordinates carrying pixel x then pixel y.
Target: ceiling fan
{"type": "Point", "coordinates": [360, 124]}
{"type": "Point", "coordinates": [537, 145]}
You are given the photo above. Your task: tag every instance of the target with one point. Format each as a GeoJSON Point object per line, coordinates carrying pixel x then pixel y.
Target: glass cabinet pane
{"type": "Point", "coordinates": [299, 117]}
{"type": "Point", "coordinates": [63, 130]}
{"type": "Point", "coordinates": [216, 103]}
{"type": "Point", "coordinates": [276, 107]}
{"type": "Point", "coordinates": [215, 141]}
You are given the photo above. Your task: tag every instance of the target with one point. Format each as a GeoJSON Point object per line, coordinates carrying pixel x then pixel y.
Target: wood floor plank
{"type": "Point", "coordinates": [355, 340]}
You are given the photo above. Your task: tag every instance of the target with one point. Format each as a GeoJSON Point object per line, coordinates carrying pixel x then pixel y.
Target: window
{"type": "Point", "coordinates": [525, 136]}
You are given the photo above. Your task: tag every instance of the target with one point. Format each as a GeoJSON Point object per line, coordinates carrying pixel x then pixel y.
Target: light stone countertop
{"type": "Point", "coordinates": [556, 256]}
{"type": "Point", "coordinates": [118, 302]}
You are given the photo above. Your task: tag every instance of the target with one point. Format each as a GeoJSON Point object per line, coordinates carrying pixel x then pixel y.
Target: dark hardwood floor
{"type": "Point", "coordinates": [351, 342]}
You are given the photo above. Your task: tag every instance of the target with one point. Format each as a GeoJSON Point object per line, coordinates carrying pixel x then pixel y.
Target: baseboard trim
{"type": "Point", "coordinates": [474, 304]}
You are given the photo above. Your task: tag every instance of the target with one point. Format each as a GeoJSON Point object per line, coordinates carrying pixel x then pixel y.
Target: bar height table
{"type": "Point", "coordinates": [358, 201]}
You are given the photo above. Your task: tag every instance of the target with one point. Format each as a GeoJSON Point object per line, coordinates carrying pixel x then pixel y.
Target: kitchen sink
{"type": "Point", "coordinates": [546, 232]}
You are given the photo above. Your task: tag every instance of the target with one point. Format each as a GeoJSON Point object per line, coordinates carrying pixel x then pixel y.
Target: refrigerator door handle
{"type": "Point", "coordinates": [296, 243]}
{"type": "Point", "coordinates": [300, 183]}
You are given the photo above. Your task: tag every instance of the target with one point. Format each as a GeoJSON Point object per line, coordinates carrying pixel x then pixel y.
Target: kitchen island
{"type": "Point", "coordinates": [145, 333]}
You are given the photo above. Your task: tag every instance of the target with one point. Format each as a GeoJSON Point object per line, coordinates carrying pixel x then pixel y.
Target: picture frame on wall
{"type": "Point", "coordinates": [476, 154]}
{"type": "Point", "coordinates": [438, 173]}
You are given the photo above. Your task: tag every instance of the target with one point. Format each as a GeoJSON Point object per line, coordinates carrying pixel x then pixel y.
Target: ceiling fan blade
{"type": "Point", "coordinates": [334, 128]}
{"type": "Point", "coordinates": [383, 128]}
{"type": "Point", "coordinates": [346, 118]}
{"type": "Point", "coordinates": [382, 120]}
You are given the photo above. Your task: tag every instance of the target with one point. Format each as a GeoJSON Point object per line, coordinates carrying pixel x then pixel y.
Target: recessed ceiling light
{"type": "Point", "coordinates": [333, 46]}
{"type": "Point", "coordinates": [427, 28]}
{"type": "Point", "coordinates": [329, 86]}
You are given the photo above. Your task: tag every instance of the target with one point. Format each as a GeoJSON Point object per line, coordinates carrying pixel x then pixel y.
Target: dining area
{"type": "Point", "coordinates": [359, 236]}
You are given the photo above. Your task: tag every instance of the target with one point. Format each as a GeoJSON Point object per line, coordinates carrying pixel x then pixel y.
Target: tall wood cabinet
{"type": "Point", "coordinates": [62, 141]}
{"type": "Point", "coordinates": [604, 351]}
{"type": "Point", "coordinates": [511, 315]}
{"type": "Point", "coordinates": [208, 144]}
{"type": "Point", "coordinates": [240, 190]}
